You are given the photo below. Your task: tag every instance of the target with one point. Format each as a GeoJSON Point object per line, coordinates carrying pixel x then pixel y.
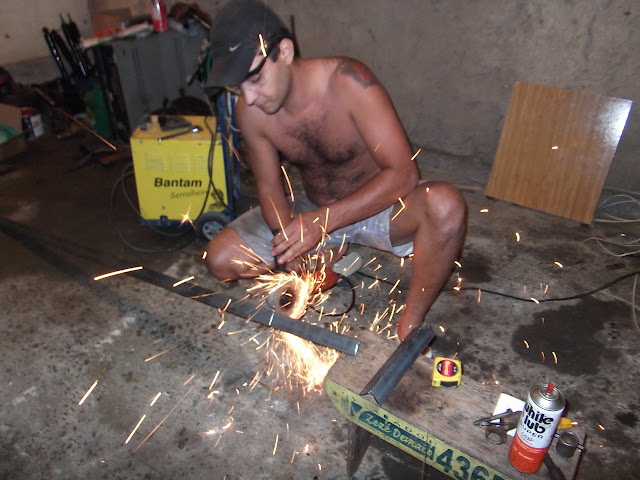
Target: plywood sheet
{"type": "Point", "coordinates": [556, 148]}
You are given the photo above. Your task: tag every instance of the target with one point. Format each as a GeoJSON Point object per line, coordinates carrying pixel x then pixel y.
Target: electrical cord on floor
{"type": "Point", "coordinates": [559, 299]}
{"type": "Point", "coordinates": [349, 308]}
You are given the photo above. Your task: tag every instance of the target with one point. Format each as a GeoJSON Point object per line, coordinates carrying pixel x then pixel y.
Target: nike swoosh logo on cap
{"type": "Point", "coordinates": [233, 49]}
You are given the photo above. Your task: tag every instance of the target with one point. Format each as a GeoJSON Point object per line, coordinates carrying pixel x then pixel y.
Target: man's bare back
{"type": "Point", "coordinates": [321, 139]}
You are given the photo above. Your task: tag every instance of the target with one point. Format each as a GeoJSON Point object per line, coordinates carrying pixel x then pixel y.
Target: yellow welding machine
{"type": "Point", "coordinates": [173, 175]}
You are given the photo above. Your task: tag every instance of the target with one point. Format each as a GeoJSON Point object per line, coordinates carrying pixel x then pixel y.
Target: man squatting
{"type": "Point", "coordinates": [333, 120]}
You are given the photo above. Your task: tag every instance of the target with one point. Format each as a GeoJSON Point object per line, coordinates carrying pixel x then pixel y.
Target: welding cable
{"type": "Point", "coordinates": [506, 295]}
{"type": "Point", "coordinates": [127, 172]}
{"type": "Point", "coordinates": [351, 305]}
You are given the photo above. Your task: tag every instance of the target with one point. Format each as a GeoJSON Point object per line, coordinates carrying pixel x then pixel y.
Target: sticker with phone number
{"type": "Point", "coordinates": [417, 443]}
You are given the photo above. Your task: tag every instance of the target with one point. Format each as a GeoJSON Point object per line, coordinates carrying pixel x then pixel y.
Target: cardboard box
{"type": "Point", "coordinates": [110, 19]}
{"type": "Point", "coordinates": [10, 115]}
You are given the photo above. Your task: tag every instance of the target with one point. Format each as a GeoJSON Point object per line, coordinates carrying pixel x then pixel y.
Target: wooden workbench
{"type": "Point", "coordinates": [435, 425]}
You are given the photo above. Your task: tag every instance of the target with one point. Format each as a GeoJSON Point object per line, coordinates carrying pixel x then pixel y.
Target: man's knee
{"type": "Point", "coordinates": [446, 207]}
{"type": "Point", "coordinates": [219, 258]}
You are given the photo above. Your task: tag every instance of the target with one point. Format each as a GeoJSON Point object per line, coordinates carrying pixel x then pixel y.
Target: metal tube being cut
{"type": "Point", "coordinates": [33, 239]}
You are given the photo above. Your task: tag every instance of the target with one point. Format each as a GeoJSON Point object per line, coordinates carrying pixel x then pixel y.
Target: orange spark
{"type": "Point", "coordinates": [526, 344]}
{"type": "Point", "coordinates": [161, 353]}
{"type": "Point", "coordinates": [394, 287]}
{"type": "Point", "coordinates": [484, 210]}
{"type": "Point", "coordinates": [416, 154]}
{"type": "Point", "coordinates": [555, 358]}
{"type": "Point", "coordinates": [399, 211]}
{"type": "Point", "coordinates": [118, 272]}
{"type": "Point", "coordinates": [275, 446]}
{"type": "Point", "coordinates": [279, 220]}
{"type": "Point", "coordinates": [184, 280]}
{"type": "Point", "coordinates": [88, 392]}
{"type": "Point", "coordinates": [155, 399]}
{"type": "Point", "coordinates": [517, 237]}
{"type": "Point", "coordinates": [535, 301]}
{"type": "Point", "coordinates": [135, 428]}
{"type": "Point", "coordinates": [288, 182]}
{"type": "Point", "coordinates": [559, 264]}
{"type": "Point", "coordinates": [262, 45]}
{"type": "Point", "coordinates": [479, 295]}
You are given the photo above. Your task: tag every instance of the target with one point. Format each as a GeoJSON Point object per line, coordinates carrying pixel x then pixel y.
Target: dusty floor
{"type": "Point", "coordinates": [60, 332]}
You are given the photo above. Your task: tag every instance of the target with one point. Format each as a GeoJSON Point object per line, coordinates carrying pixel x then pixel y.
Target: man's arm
{"type": "Point", "coordinates": [264, 162]}
{"type": "Point", "coordinates": [379, 127]}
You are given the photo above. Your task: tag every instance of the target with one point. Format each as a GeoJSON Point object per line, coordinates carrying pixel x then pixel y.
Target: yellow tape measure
{"type": "Point", "coordinates": [447, 372]}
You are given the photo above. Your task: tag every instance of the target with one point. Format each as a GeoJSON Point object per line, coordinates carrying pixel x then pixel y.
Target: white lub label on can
{"type": "Point", "coordinates": [537, 425]}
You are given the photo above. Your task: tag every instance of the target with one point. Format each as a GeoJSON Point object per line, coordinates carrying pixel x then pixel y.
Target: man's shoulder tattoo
{"type": "Point", "coordinates": [359, 72]}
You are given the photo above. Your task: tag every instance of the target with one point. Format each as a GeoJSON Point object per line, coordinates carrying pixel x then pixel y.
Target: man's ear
{"type": "Point", "coordinates": [287, 50]}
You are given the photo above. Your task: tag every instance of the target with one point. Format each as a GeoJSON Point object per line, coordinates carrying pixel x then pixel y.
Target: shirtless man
{"type": "Point", "coordinates": [330, 118]}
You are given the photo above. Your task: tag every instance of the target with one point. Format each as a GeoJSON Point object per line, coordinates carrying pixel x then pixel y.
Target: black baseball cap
{"type": "Point", "coordinates": [235, 39]}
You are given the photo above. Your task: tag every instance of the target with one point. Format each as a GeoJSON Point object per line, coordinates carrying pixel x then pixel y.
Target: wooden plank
{"type": "Point", "coordinates": [446, 414]}
{"type": "Point", "coordinates": [556, 148]}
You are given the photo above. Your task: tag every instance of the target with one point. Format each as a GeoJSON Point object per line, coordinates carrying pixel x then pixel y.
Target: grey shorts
{"type": "Point", "coordinates": [371, 232]}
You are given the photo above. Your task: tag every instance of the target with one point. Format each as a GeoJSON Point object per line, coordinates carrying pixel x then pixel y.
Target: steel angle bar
{"type": "Point", "coordinates": [386, 379]}
{"type": "Point", "coordinates": [32, 238]}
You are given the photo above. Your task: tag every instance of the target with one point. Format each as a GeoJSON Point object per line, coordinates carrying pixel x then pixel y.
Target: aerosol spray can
{"type": "Point", "coordinates": [536, 427]}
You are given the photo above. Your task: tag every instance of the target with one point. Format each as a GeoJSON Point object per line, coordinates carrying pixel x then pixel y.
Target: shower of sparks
{"type": "Point", "coordinates": [117, 272]}
{"type": "Point", "coordinates": [399, 211]}
{"type": "Point", "coordinates": [559, 264]}
{"type": "Point", "coordinates": [135, 429]}
{"type": "Point", "coordinates": [88, 392]}
{"type": "Point", "coordinates": [555, 358]}
{"type": "Point", "coordinates": [288, 182]}
{"type": "Point", "coordinates": [155, 399]}
{"type": "Point", "coordinates": [262, 45]}
{"type": "Point", "coordinates": [517, 237]}
{"type": "Point", "coordinates": [184, 280]}
{"type": "Point", "coordinates": [416, 154]}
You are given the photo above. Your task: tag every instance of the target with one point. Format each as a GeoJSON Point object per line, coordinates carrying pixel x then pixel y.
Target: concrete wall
{"type": "Point", "coordinates": [450, 65]}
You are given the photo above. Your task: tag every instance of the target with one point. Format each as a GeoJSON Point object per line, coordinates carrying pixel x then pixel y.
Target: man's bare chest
{"type": "Point", "coordinates": [325, 138]}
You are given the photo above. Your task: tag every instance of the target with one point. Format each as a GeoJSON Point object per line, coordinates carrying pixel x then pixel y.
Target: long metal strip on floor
{"type": "Point", "coordinates": [33, 239]}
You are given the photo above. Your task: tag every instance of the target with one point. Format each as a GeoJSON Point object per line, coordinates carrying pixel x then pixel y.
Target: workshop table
{"type": "Point", "coordinates": [434, 425]}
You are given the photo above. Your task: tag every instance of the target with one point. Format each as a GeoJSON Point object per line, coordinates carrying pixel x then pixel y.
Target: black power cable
{"type": "Point", "coordinates": [558, 299]}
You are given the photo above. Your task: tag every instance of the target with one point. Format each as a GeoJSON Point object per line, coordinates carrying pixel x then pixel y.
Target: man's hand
{"type": "Point", "coordinates": [304, 233]}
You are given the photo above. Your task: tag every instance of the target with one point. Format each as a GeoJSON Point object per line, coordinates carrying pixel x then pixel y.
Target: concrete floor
{"type": "Point", "coordinates": [60, 331]}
